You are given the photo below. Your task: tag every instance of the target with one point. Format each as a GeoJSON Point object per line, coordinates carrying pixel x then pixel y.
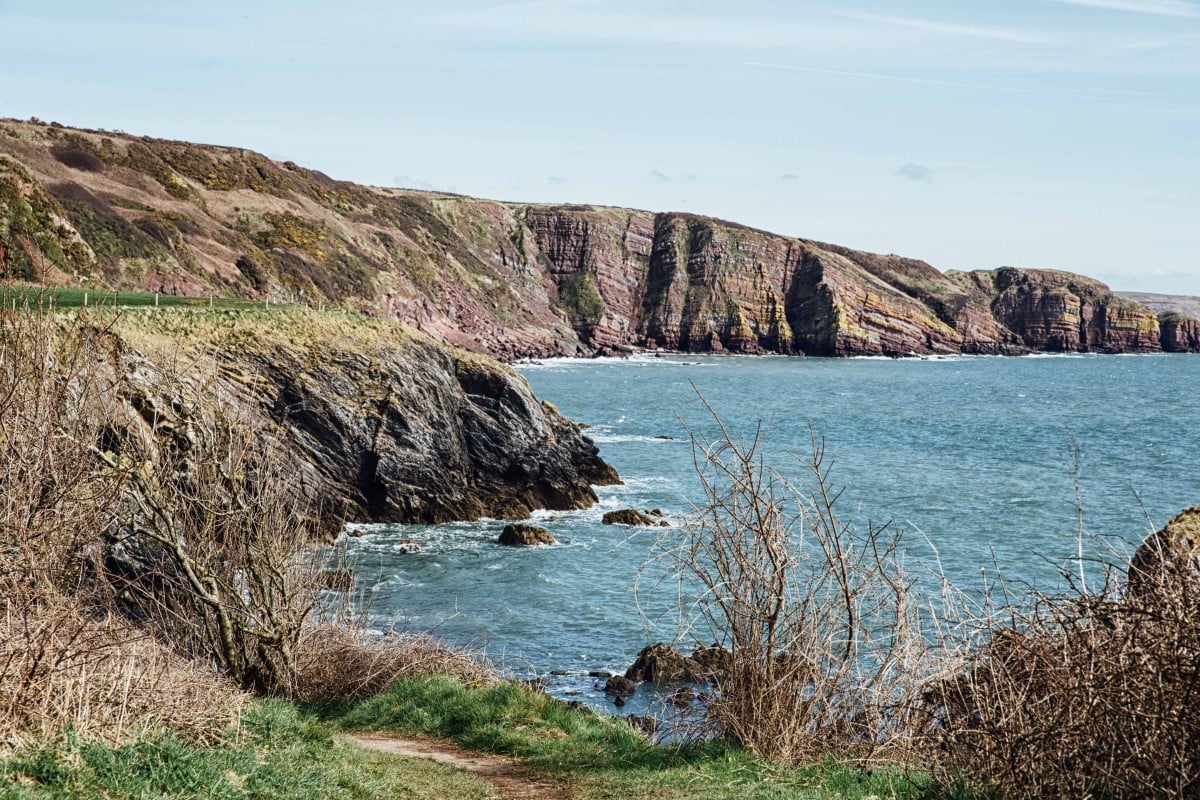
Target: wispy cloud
{"type": "Point", "coordinates": [876, 76]}
{"type": "Point", "coordinates": [661, 177]}
{"type": "Point", "coordinates": [1168, 8]}
{"type": "Point", "coordinates": [1148, 44]}
{"type": "Point", "coordinates": [556, 180]}
{"type": "Point", "coordinates": [789, 176]}
{"type": "Point", "coordinates": [1014, 35]}
{"type": "Point", "coordinates": [605, 23]}
{"type": "Point", "coordinates": [915, 172]}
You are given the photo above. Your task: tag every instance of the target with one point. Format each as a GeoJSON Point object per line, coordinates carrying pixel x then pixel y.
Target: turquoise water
{"type": "Point", "coordinates": [969, 455]}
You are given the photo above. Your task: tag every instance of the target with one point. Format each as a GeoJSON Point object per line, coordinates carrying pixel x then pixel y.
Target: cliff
{"type": "Point", "coordinates": [378, 423]}
{"type": "Point", "coordinates": [110, 210]}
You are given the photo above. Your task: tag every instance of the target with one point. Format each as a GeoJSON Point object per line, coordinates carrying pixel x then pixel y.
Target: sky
{"type": "Point", "coordinates": [972, 134]}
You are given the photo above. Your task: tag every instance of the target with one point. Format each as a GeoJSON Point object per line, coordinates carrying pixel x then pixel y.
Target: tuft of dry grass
{"type": "Point", "coordinates": [63, 666]}
{"type": "Point", "coordinates": [342, 663]}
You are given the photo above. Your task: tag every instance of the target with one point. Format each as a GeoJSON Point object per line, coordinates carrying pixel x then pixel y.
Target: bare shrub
{"type": "Point", "coordinates": [64, 660]}
{"type": "Point", "coordinates": [215, 536]}
{"type": "Point", "coordinates": [1078, 695]}
{"type": "Point", "coordinates": [52, 498]}
{"type": "Point", "coordinates": [341, 662]}
{"type": "Point", "coordinates": [826, 651]}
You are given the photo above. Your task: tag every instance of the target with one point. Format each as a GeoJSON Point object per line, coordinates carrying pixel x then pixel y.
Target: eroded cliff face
{"type": "Point", "coordinates": [378, 424]}
{"type": "Point", "coordinates": [1180, 334]}
{"type": "Point", "coordinates": [512, 280]}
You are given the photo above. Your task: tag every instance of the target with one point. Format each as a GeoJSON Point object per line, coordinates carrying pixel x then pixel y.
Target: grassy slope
{"type": "Point", "coordinates": [278, 754]}
{"type": "Point", "coordinates": [600, 757]}
{"type": "Point", "coordinates": [283, 751]}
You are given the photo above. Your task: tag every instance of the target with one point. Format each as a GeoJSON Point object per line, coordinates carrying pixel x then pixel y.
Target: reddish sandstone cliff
{"type": "Point", "coordinates": [103, 209]}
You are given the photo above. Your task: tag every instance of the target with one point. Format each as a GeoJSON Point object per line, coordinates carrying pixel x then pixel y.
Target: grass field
{"type": "Point", "coordinates": [21, 296]}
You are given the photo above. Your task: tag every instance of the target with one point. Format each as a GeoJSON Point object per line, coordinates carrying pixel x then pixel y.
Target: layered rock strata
{"type": "Point", "coordinates": [98, 208]}
{"type": "Point", "coordinates": [377, 423]}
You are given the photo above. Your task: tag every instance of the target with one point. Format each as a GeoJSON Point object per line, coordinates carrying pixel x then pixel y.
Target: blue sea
{"type": "Point", "coordinates": [969, 459]}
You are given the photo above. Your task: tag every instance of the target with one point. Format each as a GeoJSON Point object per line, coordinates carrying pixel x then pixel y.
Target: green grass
{"type": "Point", "coordinates": [287, 752]}
{"type": "Point", "coordinates": [602, 757]}
{"type": "Point", "coordinates": [279, 754]}
{"type": "Point", "coordinates": [41, 296]}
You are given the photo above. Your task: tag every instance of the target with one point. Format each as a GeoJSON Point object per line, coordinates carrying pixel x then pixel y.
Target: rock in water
{"type": "Point", "coordinates": [661, 663]}
{"type": "Point", "coordinates": [714, 661]}
{"type": "Point", "coordinates": [628, 516]}
{"type": "Point", "coordinates": [619, 686]}
{"type": "Point", "coordinates": [519, 535]}
{"type": "Point", "coordinates": [1167, 565]}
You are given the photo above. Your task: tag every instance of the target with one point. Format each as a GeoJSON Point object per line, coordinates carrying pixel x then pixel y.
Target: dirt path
{"type": "Point", "coordinates": [504, 773]}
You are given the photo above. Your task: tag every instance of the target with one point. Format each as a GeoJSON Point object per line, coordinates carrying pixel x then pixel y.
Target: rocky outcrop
{"type": "Point", "coordinates": [514, 280]}
{"type": "Point", "coordinates": [661, 663]}
{"type": "Point", "coordinates": [628, 516]}
{"type": "Point", "coordinates": [1166, 567]}
{"type": "Point", "coordinates": [1180, 334]}
{"type": "Point", "coordinates": [519, 535]}
{"type": "Point", "coordinates": [379, 423]}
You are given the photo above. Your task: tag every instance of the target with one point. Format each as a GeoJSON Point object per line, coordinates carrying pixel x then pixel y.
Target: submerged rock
{"type": "Point", "coordinates": [619, 686]}
{"type": "Point", "coordinates": [521, 535]}
{"type": "Point", "coordinates": [408, 546]}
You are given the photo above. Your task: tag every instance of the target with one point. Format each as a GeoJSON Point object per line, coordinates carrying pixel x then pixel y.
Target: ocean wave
{"type": "Point", "coordinates": [625, 438]}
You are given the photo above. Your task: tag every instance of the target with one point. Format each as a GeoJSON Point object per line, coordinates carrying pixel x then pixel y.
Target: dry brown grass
{"type": "Point", "coordinates": [63, 666]}
{"type": "Point", "coordinates": [341, 663]}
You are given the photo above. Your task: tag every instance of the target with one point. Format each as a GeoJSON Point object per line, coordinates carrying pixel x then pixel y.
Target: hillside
{"type": "Point", "coordinates": [114, 211]}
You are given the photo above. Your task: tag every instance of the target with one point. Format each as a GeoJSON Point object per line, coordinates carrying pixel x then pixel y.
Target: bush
{"type": "Point", "coordinates": [64, 659]}
{"type": "Point", "coordinates": [826, 653]}
{"type": "Point", "coordinates": [1088, 694]}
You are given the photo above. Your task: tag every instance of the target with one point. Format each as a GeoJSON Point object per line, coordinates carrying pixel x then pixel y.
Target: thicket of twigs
{"type": "Point", "coordinates": [821, 624]}
{"type": "Point", "coordinates": [1084, 694]}
{"type": "Point", "coordinates": [65, 658]}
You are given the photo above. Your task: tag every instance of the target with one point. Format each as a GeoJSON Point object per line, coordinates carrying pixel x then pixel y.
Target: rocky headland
{"type": "Point", "coordinates": [378, 423]}
{"type": "Point", "coordinates": [514, 280]}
